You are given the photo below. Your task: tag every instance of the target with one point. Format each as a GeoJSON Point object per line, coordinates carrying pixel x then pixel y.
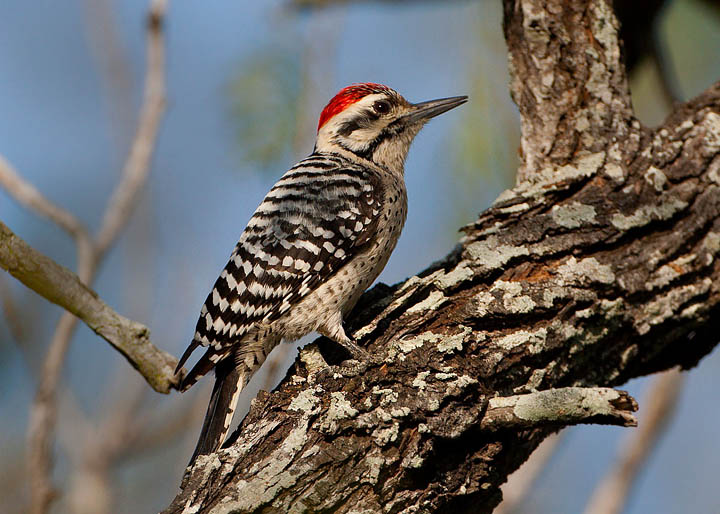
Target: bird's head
{"type": "Point", "coordinates": [374, 122]}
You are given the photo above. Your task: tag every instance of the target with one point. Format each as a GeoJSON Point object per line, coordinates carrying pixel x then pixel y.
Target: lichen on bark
{"type": "Point", "coordinates": [592, 270]}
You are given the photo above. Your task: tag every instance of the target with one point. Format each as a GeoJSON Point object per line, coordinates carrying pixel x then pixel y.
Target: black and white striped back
{"type": "Point", "coordinates": [321, 213]}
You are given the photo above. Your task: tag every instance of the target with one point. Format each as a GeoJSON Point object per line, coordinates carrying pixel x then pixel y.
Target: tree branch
{"type": "Point", "coordinates": [62, 287]}
{"type": "Point", "coordinates": [602, 264]}
{"type": "Point", "coordinates": [137, 165]}
{"type": "Point", "coordinates": [27, 195]}
{"type": "Point", "coordinates": [562, 407]}
{"type": "Point", "coordinates": [567, 81]}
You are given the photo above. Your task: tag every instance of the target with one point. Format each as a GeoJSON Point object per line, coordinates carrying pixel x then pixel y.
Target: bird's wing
{"type": "Point", "coordinates": [312, 222]}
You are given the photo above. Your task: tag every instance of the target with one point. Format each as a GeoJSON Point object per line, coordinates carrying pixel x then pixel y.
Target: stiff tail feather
{"type": "Point", "coordinates": [229, 381]}
{"type": "Point", "coordinates": [231, 377]}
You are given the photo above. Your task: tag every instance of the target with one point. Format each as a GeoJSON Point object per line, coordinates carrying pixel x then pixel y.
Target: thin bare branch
{"type": "Point", "coordinates": [137, 166]}
{"type": "Point", "coordinates": [27, 195]}
{"type": "Point", "coordinates": [42, 418]}
{"type": "Point", "coordinates": [113, 65]}
{"type": "Point", "coordinates": [612, 493]}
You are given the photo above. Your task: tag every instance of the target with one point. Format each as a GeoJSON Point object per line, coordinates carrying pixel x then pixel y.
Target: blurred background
{"type": "Point", "coordinates": [246, 82]}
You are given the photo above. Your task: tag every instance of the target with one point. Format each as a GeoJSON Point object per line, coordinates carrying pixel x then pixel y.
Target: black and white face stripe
{"type": "Point", "coordinates": [390, 133]}
{"type": "Point", "coordinates": [373, 129]}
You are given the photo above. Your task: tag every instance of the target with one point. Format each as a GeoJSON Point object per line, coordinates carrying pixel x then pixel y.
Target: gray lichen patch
{"type": "Point", "coordinates": [400, 298]}
{"type": "Point", "coordinates": [454, 277]}
{"type": "Point", "coordinates": [664, 210]}
{"type": "Point", "coordinates": [456, 384]}
{"type": "Point", "coordinates": [450, 344]}
{"type": "Point", "coordinates": [375, 462]}
{"type": "Point", "coordinates": [434, 300]}
{"type": "Point", "coordinates": [585, 271]}
{"type": "Point", "coordinates": [552, 293]}
{"type": "Point", "coordinates": [512, 297]}
{"type": "Point", "coordinates": [400, 412]}
{"type": "Point", "coordinates": [490, 254]}
{"type": "Point", "coordinates": [584, 166]}
{"type": "Point", "coordinates": [535, 339]}
{"type": "Point", "coordinates": [666, 306]}
{"type": "Point", "coordinates": [505, 196]}
{"type": "Point", "coordinates": [711, 243]}
{"type": "Point", "coordinates": [483, 300]}
{"type": "Point", "coordinates": [597, 82]}
{"type": "Point", "coordinates": [255, 434]}
{"type": "Point", "coordinates": [573, 215]}
{"type": "Point", "coordinates": [560, 404]}
{"type": "Point", "coordinates": [615, 172]}
{"type": "Point", "coordinates": [385, 435]}
{"type": "Point", "coordinates": [656, 178]}
{"type": "Point", "coordinates": [307, 401]}
{"type": "Point", "coordinates": [311, 357]}
{"type": "Point", "coordinates": [534, 381]}
{"type": "Point", "coordinates": [713, 171]}
{"type": "Point", "coordinates": [270, 475]}
{"type": "Point", "coordinates": [340, 409]}
{"type": "Point", "coordinates": [412, 343]}
{"type": "Point", "coordinates": [518, 207]}
{"type": "Point", "coordinates": [605, 30]}
{"type": "Point", "coordinates": [670, 271]}
{"type": "Point", "coordinates": [387, 396]}
{"type": "Point", "coordinates": [419, 380]}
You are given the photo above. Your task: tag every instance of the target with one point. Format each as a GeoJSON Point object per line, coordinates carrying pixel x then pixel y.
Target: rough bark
{"type": "Point", "coordinates": [602, 264]}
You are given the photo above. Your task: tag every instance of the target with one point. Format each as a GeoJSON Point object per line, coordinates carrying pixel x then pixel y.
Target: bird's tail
{"type": "Point", "coordinates": [231, 376]}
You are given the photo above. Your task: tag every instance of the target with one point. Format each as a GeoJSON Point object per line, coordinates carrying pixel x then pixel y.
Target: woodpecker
{"type": "Point", "coordinates": [320, 237]}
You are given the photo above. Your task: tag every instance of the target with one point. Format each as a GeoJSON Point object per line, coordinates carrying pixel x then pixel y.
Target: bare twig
{"type": "Point", "coordinates": [137, 166]}
{"type": "Point", "coordinates": [611, 495]}
{"type": "Point", "coordinates": [125, 431]}
{"type": "Point", "coordinates": [27, 195]}
{"type": "Point", "coordinates": [113, 65]}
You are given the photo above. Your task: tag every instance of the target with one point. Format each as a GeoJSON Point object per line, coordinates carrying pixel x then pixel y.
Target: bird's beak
{"type": "Point", "coordinates": [423, 111]}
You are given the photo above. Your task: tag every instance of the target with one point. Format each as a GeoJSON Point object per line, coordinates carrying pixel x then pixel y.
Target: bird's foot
{"type": "Point", "coordinates": [353, 349]}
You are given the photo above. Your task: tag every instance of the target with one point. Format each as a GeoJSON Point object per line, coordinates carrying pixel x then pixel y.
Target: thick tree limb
{"type": "Point", "coordinates": [602, 264]}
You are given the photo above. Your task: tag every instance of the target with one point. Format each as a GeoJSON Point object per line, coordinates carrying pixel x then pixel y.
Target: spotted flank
{"type": "Point", "coordinates": [315, 218]}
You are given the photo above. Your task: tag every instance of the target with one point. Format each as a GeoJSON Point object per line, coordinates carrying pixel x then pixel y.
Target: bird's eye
{"type": "Point", "coordinates": [381, 107]}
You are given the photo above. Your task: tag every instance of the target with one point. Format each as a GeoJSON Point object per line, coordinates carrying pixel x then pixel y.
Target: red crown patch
{"type": "Point", "coordinates": [348, 96]}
